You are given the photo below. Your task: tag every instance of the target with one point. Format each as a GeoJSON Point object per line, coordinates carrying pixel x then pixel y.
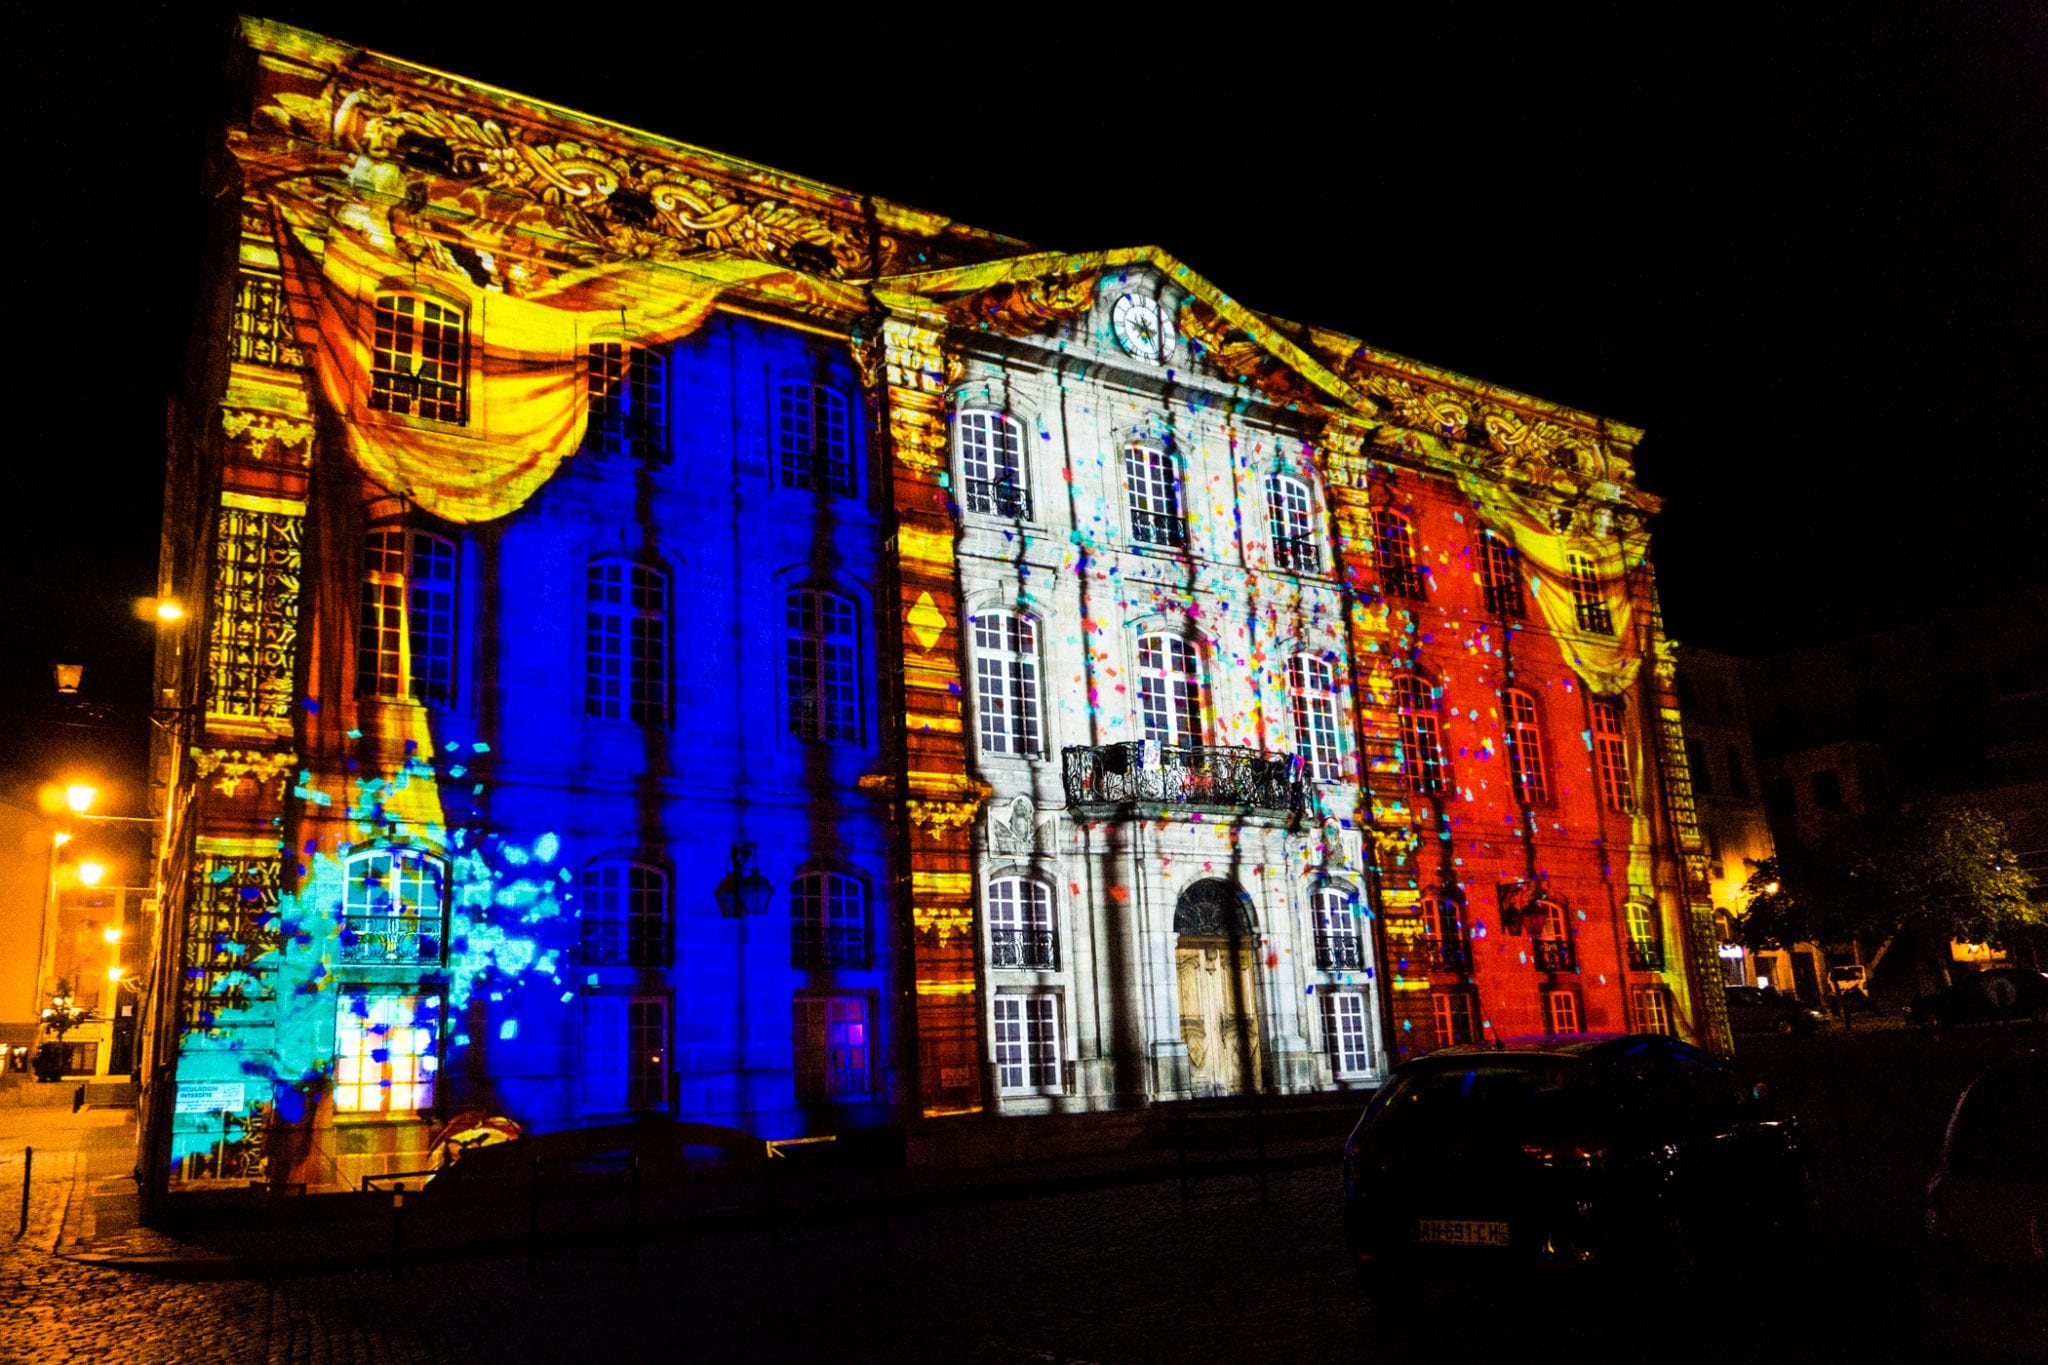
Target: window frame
{"type": "Point", "coordinates": [1420, 717]}
{"type": "Point", "coordinates": [398, 611]}
{"type": "Point", "coordinates": [1653, 1012]}
{"type": "Point", "coordinates": [1038, 1061]}
{"type": "Point", "coordinates": [1395, 555]}
{"type": "Point", "coordinates": [1500, 582]}
{"type": "Point", "coordinates": [798, 464]}
{"type": "Point", "coordinates": [1448, 1008]}
{"type": "Point", "coordinates": [1523, 736]}
{"type": "Point", "coordinates": [1312, 711]}
{"type": "Point", "coordinates": [1157, 684]}
{"type": "Point", "coordinates": [833, 1084]}
{"type": "Point", "coordinates": [1610, 756]}
{"type": "Point", "coordinates": [1561, 1005]}
{"type": "Point", "coordinates": [1291, 524]}
{"type": "Point", "coordinates": [821, 666]}
{"type": "Point", "coordinates": [1551, 944]}
{"type": "Point", "coordinates": [645, 936]}
{"type": "Point", "coordinates": [1008, 696]}
{"type": "Point", "coordinates": [1589, 597]}
{"type": "Point", "coordinates": [662, 1063]}
{"type": "Point", "coordinates": [1444, 944]}
{"type": "Point", "coordinates": [829, 927]}
{"type": "Point", "coordinates": [1152, 473]}
{"type": "Point", "coordinates": [1032, 917]}
{"type": "Point", "coordinates": [981, 437]}
{"type": "Point", "coordinates": [427, 928]}
{"type": "Point", "coordinates": [638, 428]}
{"type": "Point", "coordinates": [639, 637]}
{"type": "Point", "coordinates": [398, 390]}
{"type": "Point", "coordinates": [1333, 915]}
{"type": "Point", "coordinates": [352, 1062]}
{"type": "Point", "coordinates": [1335, 1033]}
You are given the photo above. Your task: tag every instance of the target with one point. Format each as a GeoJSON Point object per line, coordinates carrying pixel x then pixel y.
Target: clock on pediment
{"type": "Point", "coordinates": [1141, 327]}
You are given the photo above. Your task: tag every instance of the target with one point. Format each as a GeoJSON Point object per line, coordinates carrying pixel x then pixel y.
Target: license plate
{"type": "Point", "coordinates": [1461, 1232]}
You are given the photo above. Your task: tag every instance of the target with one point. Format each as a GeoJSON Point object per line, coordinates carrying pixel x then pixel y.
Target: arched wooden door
{"type": "Point", "coordinates": [1213, 964]}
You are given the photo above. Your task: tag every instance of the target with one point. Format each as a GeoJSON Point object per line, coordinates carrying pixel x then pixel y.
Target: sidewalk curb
{"type": "Point", "coordinates": [205, 1265]}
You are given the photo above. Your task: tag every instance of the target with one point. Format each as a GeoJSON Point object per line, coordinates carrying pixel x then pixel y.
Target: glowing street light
{"type": "Point", "coordinates": [80, 796]}
{"type": "Point", "coordinates": [112, 933]}
{"type": "Point", "coordinates": [90, 874]}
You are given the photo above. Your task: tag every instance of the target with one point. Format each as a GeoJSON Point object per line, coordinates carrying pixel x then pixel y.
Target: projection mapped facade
{"type": "Point", "coordinates": [684, 640]}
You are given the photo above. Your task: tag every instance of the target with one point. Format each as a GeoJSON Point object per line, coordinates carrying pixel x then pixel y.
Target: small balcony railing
{"type": "Point", "coordinates": [1645, 955]}
{"type": "Point", "coordinates": [1595, 619]}
{"type": "Point", "coordinates": [1182, 775]}
{"type": "Point", "coordinates": [401, 940]}
{"type": "Point", "coordinates": [1504, 599]}
{"type": "Point", "coordinates": [1030, 949]}
{"type": "Point", "coordinates": [1339, 953]}
{"type": "Point", "coordinates": [1553, 954]}
{"type": "Point", "coordinates": [813, 948]}
{"type": "Point", "coordinates": [995, 498]}
{"type": "Point", "coordinates": [1301, 556]}
{"type": "Point", "coordinates": [1446, 954]}
{"type": "Point", "coordinates": [1158, 528]}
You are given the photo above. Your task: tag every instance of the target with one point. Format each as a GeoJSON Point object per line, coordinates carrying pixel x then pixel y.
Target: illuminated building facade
{"type": "Point", "coordinates": [682, 639]}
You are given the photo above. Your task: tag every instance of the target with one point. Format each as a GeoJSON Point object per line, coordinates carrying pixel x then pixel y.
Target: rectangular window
{"type": "Point", "coordinates": [1560, 1012]}
{"type": "Point", "coordinates": [1006, 683]}
{"type": "Point", "coordinates": [1500, 585]}
{"type": "Point", "coordinates": [992, 465]}
{"type": "Point", "coordinates": [420, 359]}
{"type": "Point", "coordinates": [1154, 495]}
{"type": "Point", "coordinates": [1021, 933]}
{"type": "Point", "coordinates": [385, 1053]}
{"type": "Point", "coordinates": [1344, 1033]}
{"type": "Point", "coordinates": [813, 440]}
{"type": "Point", "coordinates": [1170, 690]}
{"type": "Point", "coordinates": [1311, 698]}
{"type": "Point", "coordinates": [1393, 543]}
{"type": "Point", "coordinates": [262, 328]}
{"type": "Point", "coordinates": [1337, 945]}
{"type": "Point", "coordinates": [1289, 514]}
{"type": "Point", "coordinates": [647, 1052]}
{"type": "Point", "coordinates": [832, 1048]}
{"type": "Point", "coordinates": [1457, 1017]}
{"type": "Point", "coordinates": [625, 916]}
{"type": "Point", "coordinates": [1525, 748]}
{"type": "Point", "coordinates": [625, 643]}
{"type": "Point", "coordinates": [405, 628]}
{"type": "Point", "coordinates": [1588, 596]}
{"type": "Point", "coordinates": [1653, 1009]}
{"type": "Point", "coordinates": [1027, 1040]}
{"type": "Point", "coordinates": [828, 922]}
{"type": "Point", "coordinates": [628, 401]}
{"type": "Point", "coordinates": [821, 666]}
{"type": "Point", "coordinates": [1610, 755]}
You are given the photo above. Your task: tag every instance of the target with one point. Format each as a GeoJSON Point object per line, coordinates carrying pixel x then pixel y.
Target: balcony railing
{"type": "Point", "coordinates": [1553, 954]}
{"type": "Point", "coordinates": [1645, 955]}
{"type": "Point", "coordinates": [1595, 619]}
{"type": "Point", "coordinates": [1448, 954]}
{"type": "Point", "coordinates": [1025, 948]}
{"type": "Point", "coordinates": [1339, 953]}
{"type": "Point", "coordinates": [1302, 556]}
{"type": "Point", "coordinates": [1158, 528]}
{"type": "Point", "coordinates": [812, 948]}
{"type": "Point", "coordinates": [1182, 775]}
{"type": "Point", "coordinates": [403, 940]}
{"type": "Point", "coordinates": [996, 498]}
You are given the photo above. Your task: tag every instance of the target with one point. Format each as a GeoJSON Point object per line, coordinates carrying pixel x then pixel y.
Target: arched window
{"type": "Point", "coordinates": [1170, 690]}
{"type": "Point", "coordinates": [1588, 596]}
{"type": "Point", "coordinates": [1525, 747]}
{"type": "Point", "coordinates": [1290, 516]}
{"type": "Point", "coordinates": [1610, 755]}
{"type": "Point", "coordinates": [1553, 940]}
{"type": "Point", "coordinates": [405, 628]}
{"type": "Point", "coordinates": [1443, 932]}
{"type": "Point", "coordinates": [1393, 543]}
{"type": "Point", "coordinates": [813, 439]}
{"type": "Point", "coordinates": [628, 401]}
{"type": "Point", "coordinates": [1006, 682]}
{"type": "Point", "coordinates": [419, 360]}
{"type": "Point", "coordinates": [1645, 952]}
{"type": "Point", "coordinates": [828, 922]}
{"type": "Point", "coordinates": [1021, 932]}
{"type": "Point", "coordinates": [1153, 486]}
{"type": "Point", "coordinates": [1422, 745]}
{"type": "Point", "coordinates": [392, 907]}
{"type": "Point", "coordinates": [625, 916]}
{"type": "Point", "coordinates": [1336, 916]}
{"type": "Point", "coordinates": [625, 668]}
{"type": "Point", "coordinates": [992, 465]}
{"type": "Point", "coordinates": [1312, 703]}
{"type": "Point", "coordinates": [1500, 585]}
{"type": "Point", "coordinates": [822, 665]}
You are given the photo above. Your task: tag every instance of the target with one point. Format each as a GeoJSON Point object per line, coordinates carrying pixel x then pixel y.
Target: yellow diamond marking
{"type": "Point", "coordinates": [925, 622]}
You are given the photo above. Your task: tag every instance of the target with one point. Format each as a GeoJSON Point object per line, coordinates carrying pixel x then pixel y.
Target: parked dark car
{"type": "Point", "coordinates": [1988, 1201]}
{"type": "Point", "coordinates": [1996, 995]}
{"type": "Point", "coordinates": [1638, 1152]}
{"type": "Point", "coordinates": [1752, 1010]}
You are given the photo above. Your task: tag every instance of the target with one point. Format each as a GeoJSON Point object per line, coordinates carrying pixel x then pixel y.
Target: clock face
{"type": "Point", "coordinates": [1140, 327]}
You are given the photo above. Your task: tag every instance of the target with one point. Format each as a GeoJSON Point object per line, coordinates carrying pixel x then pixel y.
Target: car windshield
{"type": "Point", "coordinates": [1489, 1090]}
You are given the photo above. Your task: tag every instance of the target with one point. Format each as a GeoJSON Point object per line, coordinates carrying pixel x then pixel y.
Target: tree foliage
{"type": "Point", "coordinates": [1945, 871]}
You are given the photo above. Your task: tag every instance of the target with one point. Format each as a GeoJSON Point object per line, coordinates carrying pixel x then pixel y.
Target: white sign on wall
{"type": "Point", "coordinates": [209, 1097]}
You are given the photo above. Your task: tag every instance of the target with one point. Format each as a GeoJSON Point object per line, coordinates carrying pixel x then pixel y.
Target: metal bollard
{"type": "Point", "coordinates": [78, 1099]}
{"type": "Point", "coordinates": [28, 1165]}
{"type": "Point", "coordinates": [398, 1231]}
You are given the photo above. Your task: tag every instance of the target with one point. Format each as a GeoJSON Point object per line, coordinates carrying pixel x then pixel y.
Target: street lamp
{"type": "Point", "coordinates": [743, 891]}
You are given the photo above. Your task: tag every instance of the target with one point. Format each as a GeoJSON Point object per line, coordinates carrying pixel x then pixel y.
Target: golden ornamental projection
{"type": "Point", "coordinates": [613, 203]}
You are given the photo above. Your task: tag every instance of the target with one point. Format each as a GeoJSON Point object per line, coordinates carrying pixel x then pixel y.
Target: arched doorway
{"type": "Point", "coordinates": [1213, 963]}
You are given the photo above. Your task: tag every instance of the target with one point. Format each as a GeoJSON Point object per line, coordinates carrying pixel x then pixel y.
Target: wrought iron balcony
{"type": "Point", "coordinates": [1553, 954]}
{"type": "Point", "coordinates": [1025, 948]}
{"type": "Point", "coordinates": [996, 498]}
{"type": "Point", "coordinates": [1645, 955]}
{"type": "Point", "coordinates": [1182, 775]}
{"type": "Point", "coordinates": [1594, 618]}
{"type": "Point", "coordinates": [1302, 556]}
{"type": "Point", "coordinates": [1158, 528]}
{"type": "Point", "coordinates": [1449, 954]}
{"type": "Point", "coordinates": [813, 948]}
{"type": "Point", "coordinates": [401, 940]}
{"type": "Point", "coordinates": [1339, 953]}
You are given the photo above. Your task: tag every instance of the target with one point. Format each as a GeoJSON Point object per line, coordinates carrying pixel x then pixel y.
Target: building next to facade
{"type": "Point", "coordinates": [678, 638]}
{"type": "Point", "coordinates": [1735, 828]}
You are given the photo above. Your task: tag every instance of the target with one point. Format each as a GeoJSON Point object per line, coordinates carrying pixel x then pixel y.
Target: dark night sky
{"type": "Point", "coordinates": [1803, 246]}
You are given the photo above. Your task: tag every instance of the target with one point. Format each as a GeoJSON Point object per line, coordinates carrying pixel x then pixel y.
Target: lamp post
{"type": "Point", "coordinates": [743, 890]}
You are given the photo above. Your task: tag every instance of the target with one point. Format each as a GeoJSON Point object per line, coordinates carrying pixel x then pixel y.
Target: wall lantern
{"type": "Point", "coordinates": [743, 891]}
{"type": "Point", "coordinates": [69, 676]}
